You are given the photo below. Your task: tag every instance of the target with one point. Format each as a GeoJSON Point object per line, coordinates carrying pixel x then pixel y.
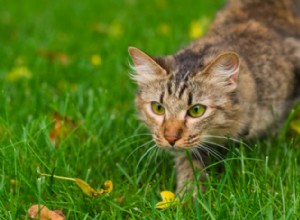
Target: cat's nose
{"type": "Point", "coordinates": [173, 131]}
{"type": "Point", "coordinates": [172, 139]}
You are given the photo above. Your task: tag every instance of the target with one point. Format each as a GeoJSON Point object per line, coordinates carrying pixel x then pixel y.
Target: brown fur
{"type": "Point", "coordinates": [246, 71]}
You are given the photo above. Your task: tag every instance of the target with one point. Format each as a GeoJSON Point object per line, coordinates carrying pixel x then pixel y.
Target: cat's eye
{"type": "Point", "coordinates": [157, 108]}
{"type": "Point", "coordinates": [196, 111]}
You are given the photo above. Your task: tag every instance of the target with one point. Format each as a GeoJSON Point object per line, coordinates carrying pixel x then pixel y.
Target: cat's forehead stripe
{"type": "Point", "coordinates": [169, 87]}
{"type": "Point", "coordinates": [182, 89]}
{"type": "Point", "coordinates": [190, 98]}
{"type": "Point", "coordinates": [161, 98]}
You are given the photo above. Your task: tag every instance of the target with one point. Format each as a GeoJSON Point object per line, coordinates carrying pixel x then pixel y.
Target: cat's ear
{"type": "Point", "coordinates": [146, 69]}
{"type": "Point", "coordinates": [225, 68]}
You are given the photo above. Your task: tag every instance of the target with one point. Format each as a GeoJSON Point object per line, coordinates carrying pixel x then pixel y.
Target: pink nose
{"type": "Point", "coordinates": [171, 139]}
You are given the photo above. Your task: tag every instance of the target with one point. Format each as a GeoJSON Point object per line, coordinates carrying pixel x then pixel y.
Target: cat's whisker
{"type": "Point", "coordinates": [216, 144]}
{"type": "Point", "coordinates": [121, 146]}
{"type": "Point", "coordinates": [125, 145]}
{"type": "Point", "coordinates": [134, 136]}
{"type": "Point", "coordinates": [144, 155]}
{"type": "Point", "coordinates": [219, 145]}
{"type": "Point", "coordinates": [137, 148]}
{"type": "Point", "coordinates": [157, 152]}
{"type": "Point", "coordinates": [211, 151]}
{"type": "Point", "coordinates": [229, 138]}
{"type": "Point", "coordinates": [152, 155]}
{"type": "Point", "coordinates": [198, 156]}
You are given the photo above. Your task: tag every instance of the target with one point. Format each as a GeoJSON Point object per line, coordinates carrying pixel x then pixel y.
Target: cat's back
{"type": "Point", "coordinates": [257, 30]}
{"type": "Point", "coordinates": [281, 16]}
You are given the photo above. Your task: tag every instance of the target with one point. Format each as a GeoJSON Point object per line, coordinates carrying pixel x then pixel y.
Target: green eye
{"type": "Point", "coordinates": [157, 108]}
{"type": "Point", "coordinates": [196, 111]}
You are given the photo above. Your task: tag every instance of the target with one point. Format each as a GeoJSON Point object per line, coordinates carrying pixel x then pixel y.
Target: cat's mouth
{"type": "Point", "coordinates": [180, 144]}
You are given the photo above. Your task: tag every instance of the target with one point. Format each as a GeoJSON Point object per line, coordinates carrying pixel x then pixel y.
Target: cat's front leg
{"type": "Point", "coordinates": [190, 174]}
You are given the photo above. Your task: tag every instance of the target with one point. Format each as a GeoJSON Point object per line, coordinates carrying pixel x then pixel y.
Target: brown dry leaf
{"type": "Point", "coordinates": [43, 213]}
{"type": "Point", "coordinates": [62, 126]}
{"type": "Point", "coordinates": [61, 57]}
{"type": "Point", "coordinates": [121, 199]}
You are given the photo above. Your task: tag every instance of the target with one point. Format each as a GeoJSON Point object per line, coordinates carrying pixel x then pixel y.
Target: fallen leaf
{"type": "Point", "coordinates": [108, 186]}
{"type": "Point", "coordinates": [168, 199]}
{"type": "Point", "coordinates": [89, 191]}
{"type": "Point", "coordinates": [95, 60]}
{"type": "Point", "coordinates": [17, 73]}
{"type": "Point", "coordinates": [163, 29]}
{"type": "Point", "coordinates": [84, 186]}
{"type": "Point", "coordinates": [195, 30]}
{"type": "Point", "coordinates": [61, 57]}
{"type": "Point", "coordinates": [121, 199]}
{"type": "Point", "coordinates": [198, 27]}
{"type": "Point", "coordinates": [115, 29]}
{"type": "Point", "coordinates": [43, 213]}
{"type": "Point", "coordinates": [62, 127]}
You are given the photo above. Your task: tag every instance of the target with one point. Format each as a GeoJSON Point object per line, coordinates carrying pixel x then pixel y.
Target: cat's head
{"type": "Point", "coordinates": [185, 99]}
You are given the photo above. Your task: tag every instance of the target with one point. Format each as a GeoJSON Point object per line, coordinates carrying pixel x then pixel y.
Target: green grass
{"type": "Point", "coordinates": [262, 183]}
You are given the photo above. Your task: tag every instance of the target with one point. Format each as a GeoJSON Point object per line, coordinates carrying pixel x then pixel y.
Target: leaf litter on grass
{"type": "Point", "coordinates": [62, 127]}
{"type": "Point", "coordinates": [84, 186]}
{"type": "Point", "coordinates": [43, 213]}
{"type": "Point", "coordinates": [18, 73]}
{"type": "Point", "coordinates": [168, 200]}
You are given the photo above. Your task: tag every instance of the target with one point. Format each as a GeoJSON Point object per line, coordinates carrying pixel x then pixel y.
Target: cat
{"type": "Point", "coordinates": [238, 81]}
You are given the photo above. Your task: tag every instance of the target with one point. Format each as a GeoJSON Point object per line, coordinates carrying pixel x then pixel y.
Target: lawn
{"type": "Point", "coordinates": [67, 62]}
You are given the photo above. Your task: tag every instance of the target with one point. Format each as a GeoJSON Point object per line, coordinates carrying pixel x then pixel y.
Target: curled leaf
{"type": "Point", "coordinates": [86, 188]}
{"type": "Point", "coordinates": [168, 199]}
{"type": "Point", "coordinates": [108, 186]}
{"type": "Point", "coordinates": [43, 213]}
{"type": "Point", "coordinates": [89, 191]}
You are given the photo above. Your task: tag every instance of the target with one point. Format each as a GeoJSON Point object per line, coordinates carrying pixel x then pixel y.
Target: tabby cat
{"type": "Point", "coordinates": [238, 81]}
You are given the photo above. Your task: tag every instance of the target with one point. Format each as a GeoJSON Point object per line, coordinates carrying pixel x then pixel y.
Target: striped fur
{"type": "Point", "coordinates": [245, 71]}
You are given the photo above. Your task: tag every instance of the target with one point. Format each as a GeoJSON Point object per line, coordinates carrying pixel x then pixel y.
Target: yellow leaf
{"type": "Point", "coordinates": [295, 125]}
{"type": "Point", "coordinates": [163, 29]}
{"type": "Point", "coordinates": [198, 27]}
{"type": "Point", "coordinates": [108, 186]}
{"type": "Point", "coordinates": [17, 73]}
{"type": "Point", "coordinates": [115, 29]}
{"type": "Point", "coordinates": [95, 60]}
{"type": "Point", "coordinates": [86, 188]}
{"type": "Point", "coordinates": [196, 30]}
{"type": "Point", "coordinates": [168, 199]}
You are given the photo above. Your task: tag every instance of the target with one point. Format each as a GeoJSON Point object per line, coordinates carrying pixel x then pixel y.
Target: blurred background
{"type": "Point", "coordinates": [67, 108]}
